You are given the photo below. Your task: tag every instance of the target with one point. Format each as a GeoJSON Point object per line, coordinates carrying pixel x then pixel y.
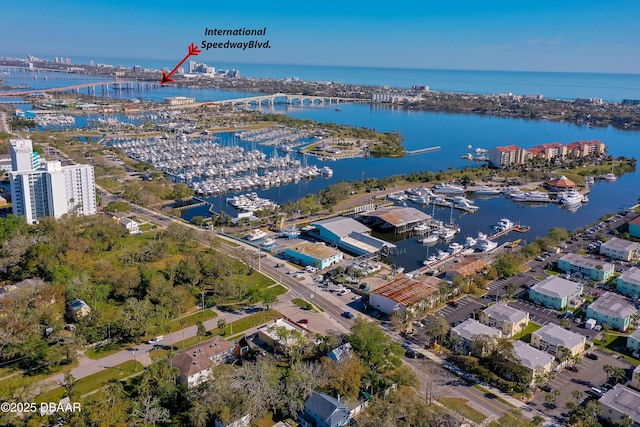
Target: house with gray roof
{"type": "Point", "coordinates": [195, 363]}
{"type": "Point", "coordinates": [629, 282]}
{"type": "Point", "coordinates": [556, 292]}
{"type": "Point", "coordinates": [534, 360]}
{"type": "Point", "coordinates": [618, 401]}
{"type": "Point", "coordinates": [322, 410]}
{"type": "Point", "coordinates": [552, 337]}
{"type": "Point", "coordinates": [621, 249]}
{"type": "Point", "coordinates": [508, 319]}
{"type": "Point", "coordinates": [613, 310]}
{"type": "Point", "coordinates": [471, 329]}
{"type": "Point", "coordinates": [340, 353]}
{"type": "Point", "coordinates": [588, 268]}
{"type": "Point", "coordinates": [633, 342]}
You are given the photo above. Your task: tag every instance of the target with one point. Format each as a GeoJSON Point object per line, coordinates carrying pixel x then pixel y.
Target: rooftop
{"type": "Point", "coordinates": [556, 335]}
{"type": "Point", "coordinates": [470, 328]}
{"type": "Point", "coordinates": [200, 356]}
{"type": "Point", "coordinates": [342, 226]}
{"type": "Point", "coordinates": [531, 357]}
{"type": "Point", "coordinates": [326, 408]}
{"type": "Point", "coordinates": [620, 244]}
{"type": "Point", "coordinates": [624, 400]}
{"type": "Point", "coordinates": [613, 305]}
{"type": "Point", "coordinates": [556, 287]}
{"type": "Point", "coordinates": [272, 329]}
{"type": "Point", "coordinates": [314, 250]}
{"type": "Point", "coordinates": [406, 291]}
{"type": "Point", "coordinates": [632, 275]}
{"type": "Point", "coordinates": [585, 262]}
{"type": "Point", "coordinates": [505, 312]}
{"type": "Point", "coordinates": [398, 216]}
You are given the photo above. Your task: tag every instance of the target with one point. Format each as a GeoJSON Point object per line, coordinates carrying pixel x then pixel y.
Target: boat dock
{"type": "Point", "coordinates": [422, 150]}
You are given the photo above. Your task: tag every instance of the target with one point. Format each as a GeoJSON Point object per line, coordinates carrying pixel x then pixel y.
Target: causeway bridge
{"type": "Point", "coordinates": [286, 98]}
{"type": "Point", "coordinates": [104, 87]}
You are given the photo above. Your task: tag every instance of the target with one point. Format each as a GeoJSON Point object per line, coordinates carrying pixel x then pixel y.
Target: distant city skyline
{"type": "Point", "coordinates": [498, 35]}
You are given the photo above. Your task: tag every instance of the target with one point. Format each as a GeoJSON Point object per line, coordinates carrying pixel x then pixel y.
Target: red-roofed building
{"type": "Point", "coordinates": [560, 184]}
{"type": "Point", "coordinates": [500, 157]}
{"type": "Point", "coordinates": [403, 294]}
{"type": "Point", "coordinates": [585, 148]}
{"type": "Point", "coordinates": [549, 151]}
{"type": "Point", "coordinates": [634, 227]}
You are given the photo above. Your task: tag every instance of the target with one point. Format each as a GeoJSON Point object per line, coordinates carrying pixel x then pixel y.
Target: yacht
{"type": "Point", "coordinates": [446, 188]}
{"type": "Point", "coordinates": [421, 228]}
{"type": "Point", "coordinates": [531, 197]}
{"type": "Point", "coordinates": [461, 202]}
{"type": "Point", "coordinates": [610, 176]}
{"type": "Point", "coordinates": [484, 244]}
{"type": "Point", "coordinates": [448, 232]}
{"type": "Point", "coordinates": [429, 239]}
{"type": "Point", "coordinates": [571, 198]}
{"type": "Point", "coordinates": [441, 255]}
{"type": "Point", "coordinates": [397, 197]}
{"type": "Point", "coordinates": [326, 171]}
{"type": "Point", "coordinates": [430, 259]}
{"type": "Point", "coordinates": [441, 201]}
{"type": "Point", "coordinates": [486, 191]}
{"type": "Point", "coordinates": [503, 224]}
{"type": "Point", "coordinates": [455, 247]}
{"type": "Point", "coordinates": [256, 234]}
{"type": "Point", "coordinates": [469, 242]}
{"type": "Point", "coordinates": [267, 242]}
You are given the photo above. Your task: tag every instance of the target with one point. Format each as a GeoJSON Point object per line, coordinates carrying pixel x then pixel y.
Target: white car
{"type": "Point", "coordinates": [156, 340]}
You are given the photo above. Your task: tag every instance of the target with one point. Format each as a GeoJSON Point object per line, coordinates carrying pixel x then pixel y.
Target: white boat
{"type": "Point", "coordinates": [531, 197]}
{"type": "Point", "coordinates": [441, 255]}
{"type": "Point", "coordinates": [486, 191]}
{"type": "Point", "coordinates": [484, 244]}
{"type": "Point", "coordinates": [446, 188]}
{"type": "Point", "coordinates": [571, 198]}
{"type": "Point", "coordinates": [268, 242]}
{"type": "Point", "coordinates": [461, 202]}
{"type": "Point", "coordinates": [430, 259]}
{"type": "Point", "coordinates": [441, 201]}
{"type": "Point", "coordinates": [448, 232]}
{"type": "Point", "coordinates": [397, 197]}
{"type": "Point", "coordinates": [421, 228]}
{"type": "Point", "coordinates": [455, 247]}
{"type": "Point", "coordinates": [256, 234]}
{"type": "Point", "coordinates": [326, 171]}
{"type": "Point", "coordinates": [429, 239]}
{"type": "Point", "coordinates": [503, 224]}
{"type": "Point", "coordinates": [511, 191]}
{"type": "Point", "coordinates": [610, 176]}
{"type": "Point", "coordinates": [421, 200]}
{"type": "Point", "coordinates": [469, 242]}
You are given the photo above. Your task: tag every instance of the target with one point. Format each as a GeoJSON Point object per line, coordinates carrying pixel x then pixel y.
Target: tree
{"type": "Point", "coordinates": [510, 289]}
{"type": "Point", "coordinates": [181, 192]}
{"type": "Point", "coordinates": [550, 399]}
{"type": "Point", "coordinates": [374, 347]}
{"type": "Point", "coordinates": [201, 329]}
{"type": "Point", "coordinates": [565, 323]}
{"type": "Point", "coordinates": [269, 298]}
{"type": "Point", "coordinates": [344, 377]}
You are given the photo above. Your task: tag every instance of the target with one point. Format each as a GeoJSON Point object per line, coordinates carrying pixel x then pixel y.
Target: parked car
{"type": "Point", "coordinates": [348, 315]}
{"type": "Point", "coordinates": [303, 321]}
{"type": "Point", "coordinates": [453, 303]}
{"type": "Point", "coordinates": [156, 340]}
{"type": "Point", "coordinates": [592, 356]}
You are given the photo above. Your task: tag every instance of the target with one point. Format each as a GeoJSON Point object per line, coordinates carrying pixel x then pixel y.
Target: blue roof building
{"type": "Point", "coordinates": [322, 410]}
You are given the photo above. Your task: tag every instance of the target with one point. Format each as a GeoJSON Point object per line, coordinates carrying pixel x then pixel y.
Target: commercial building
{"type": "Point", "coordinates": [349, 235]}
{"type": "Point", "coordinates": [587, 268]}
{"type": "Point", "coordinates": [618, 401]}
{"type": "Point", "coordinates": [317, 255]}
{"type": "Point", "coordinates": [556, 292]}
{"type": "Point", "coordinates": [621, 249]}
{"type": "Point", "coordinates": [613, 310]}
{"type": "Point", "coordinates": [22, 155]}
{"type": "Point", "coordinates": [404, 293]}
{"type": "Point", "coordinates": [509, 320]}
{"type": "Point", "coordinates": [53, 191]}
{"type": "Point", "coordinates": [397, 218]}
{"type": "Point", "coordinates": [195, 363]}
{"type": "Point", "coordinates": [179, 100]}
{"type": "Point", "coordinates": [534, 360]}
{"type": "Point", "coordinates": [629, 282]}
{"type": "Point", "coordinates": [470, 330]}
{"type": "Point", "coordinates": [551, 338]}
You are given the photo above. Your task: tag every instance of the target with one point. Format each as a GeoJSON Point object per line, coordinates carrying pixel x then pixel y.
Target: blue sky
{"type": "Point", "coordinates": [589, 36]}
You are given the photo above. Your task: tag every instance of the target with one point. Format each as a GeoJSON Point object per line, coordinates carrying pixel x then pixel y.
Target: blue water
{"type": "Point", "coordinates": [608, 86]}
{"type": "Point", "coordinates": [453, 132]}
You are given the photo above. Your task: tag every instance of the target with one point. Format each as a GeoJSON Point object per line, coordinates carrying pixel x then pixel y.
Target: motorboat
{"type": "Point", "coordinates": [397, 197]}
{"type": "Point", "coordinates": [455, 247]}
{"type": "Point", "coordinates": [461, 202]}
{"type": "Point", "coordinates": [486, 191]}
{"type": "Point", "coordinates": [256, 234]}
{"type": "Point", "coordinates": [469, 242]}
{"type": "Point", "coordinates": [531, 197]}
{"type": "Point", "coordinates": [441, 201]}
{"type": "Point", "coordinates": [429, 239]}
{"type": "Point", "coordinates": [447, 232]}
{"type": "Point", "coordinates": [571, 198]}
{"type": "Point", "coordinates": [421, 228]}
{"type": "Point", "coordinates": [267, 242]}
{"type": "Point", "coordinates": [503, 225]}
{"type": "Point", "coordinates": [484, 244]}
{"type": "Point", "coordinates": [610, 176]}
{"type": "Point", "coordinates": [430, 259]}
{"type": "Point", "coordinates": [446, 188]}
{"type": "Point", "coordinates": [441, 255]}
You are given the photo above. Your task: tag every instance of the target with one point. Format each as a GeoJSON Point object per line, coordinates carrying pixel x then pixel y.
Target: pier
{"type": "Point", "coordinates": [422, 150]}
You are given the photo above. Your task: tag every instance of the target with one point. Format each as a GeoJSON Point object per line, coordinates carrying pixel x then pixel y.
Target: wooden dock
{"type": "Point", "coordinates": [422, 150]}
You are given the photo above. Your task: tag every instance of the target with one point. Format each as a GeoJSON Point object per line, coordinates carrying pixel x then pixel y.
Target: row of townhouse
{"type": "Point", "coordinates": [499, 157]}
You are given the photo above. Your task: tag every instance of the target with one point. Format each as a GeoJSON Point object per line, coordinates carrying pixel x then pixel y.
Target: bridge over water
{"type": "Point", "coordinates": [286, 98]}
{"type": "Point", "coordinates": [91, 87]}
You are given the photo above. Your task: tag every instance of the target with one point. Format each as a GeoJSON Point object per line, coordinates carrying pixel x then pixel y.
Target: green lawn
{"type": "Point", "coordinates": [94, 382]}
{"type": "Point", "coordinates": [306, 305]}
{"type": "Point", "coordinates": [192, 319]}
{"type": "Point", "coordinates": [460, 406]}
{"type": "Point", "coordinates": [525, 335]}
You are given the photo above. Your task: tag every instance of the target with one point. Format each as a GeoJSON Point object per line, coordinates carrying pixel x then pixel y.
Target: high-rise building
{"type": "Point", "coordinates": [53, 190]}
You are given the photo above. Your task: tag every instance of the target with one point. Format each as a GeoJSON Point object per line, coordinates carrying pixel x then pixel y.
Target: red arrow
{"type": "Point", "coordinates": [193, 51]}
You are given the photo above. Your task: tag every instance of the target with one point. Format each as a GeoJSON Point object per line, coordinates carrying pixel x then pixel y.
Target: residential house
{"type": "Point", "coordinates": [404, 293]}
{"type": "Point", "coordinates": [239, 422]}
{"type": "Point", "coordinates": [282, 333]}
{"type": "Point", "coordinates": [314, 254]}
{"type": "Point", "coordinates": [340, 353]}
{"type": "Point", "coordinates": [195, 363]}
{"type": "Point", "coordinates": [618, 401]}
{"type": "Point", "coordinates": [322, 410]}
{"type": "Point", "coordinates": [633, 342]}
{"type": "Point", "coordinates": [467, 267]}
{"type": "Point", "coordinates": [629, 282]}
{"type": "Point", "coordinates": [551, 338]}
{"type": "Point", "coordinates": [509, 320]}
{"type": "Point", "coordinates": [470, 330]}
{"type": "Point", "coordinates": [131, 226]}
{"type": "Point", "coordinates": [79, 308]}
{"type": "Point", "coordinates": [587, 268]}
{"type": "Point", "coordinates": [621, 249]}
{"type": "Point", "coordinates": [534, 360]}
{"type": "Point", "coordinates": [556, 292]}
{"type": "Point", "coordinates": [613, 310]}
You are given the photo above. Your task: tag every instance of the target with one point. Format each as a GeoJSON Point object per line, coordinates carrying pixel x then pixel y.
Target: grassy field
{"type": "Point", "coordinates": [460, 406]}
{"type": "Point", "coordinates": [93, 382]}
{"type": "Point", "coordinates": [192, 319]}
{"type": "Point", "coordinates": [525, 335]}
